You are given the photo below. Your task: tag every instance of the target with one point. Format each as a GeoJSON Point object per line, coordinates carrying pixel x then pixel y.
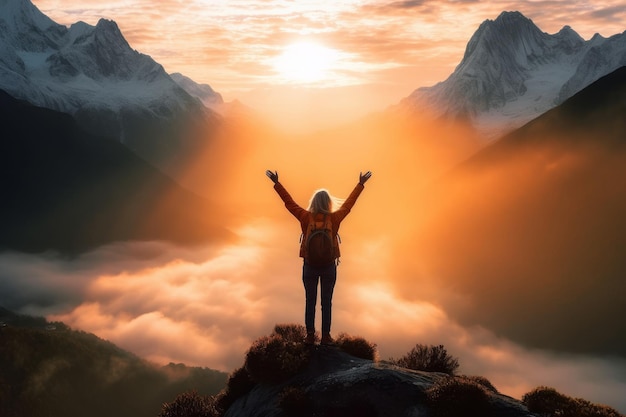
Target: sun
{"type": "Point", "coordinates": [305, 62]}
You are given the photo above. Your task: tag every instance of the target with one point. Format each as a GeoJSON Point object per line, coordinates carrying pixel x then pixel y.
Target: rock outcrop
{"type": "Point", "coordinates": [338, 384]}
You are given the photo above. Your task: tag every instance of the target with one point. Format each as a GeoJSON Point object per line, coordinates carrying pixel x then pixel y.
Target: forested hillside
{"type": "Point", "coordinates": [48, 369]}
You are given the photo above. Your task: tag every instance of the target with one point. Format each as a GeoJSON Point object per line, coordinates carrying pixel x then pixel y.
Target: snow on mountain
{"type": "Point", "coordinates": [26, 27]}
{"type": "Point", "coordinates": [602, 57]}
{"type": "Point", "coordinates": [213, 100]}
{"type": "Point", "coordinates": [92, 73]}
{"type": "Point", "coordinates": [66, 69]}
{"type": "Point", "coordinates": [512, 72]}
{"type": "Point", "coordinates": [204, 92]}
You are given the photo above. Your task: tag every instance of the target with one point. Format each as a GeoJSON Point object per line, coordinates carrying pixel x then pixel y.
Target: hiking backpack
{"type": "Point", "coordinates": [319, 248]}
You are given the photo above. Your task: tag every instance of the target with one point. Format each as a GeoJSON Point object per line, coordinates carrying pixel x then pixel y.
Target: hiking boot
{"type": "Point", "coordinates": [327, 340]}
{"type": "Point", "coordinates": [310, 338]}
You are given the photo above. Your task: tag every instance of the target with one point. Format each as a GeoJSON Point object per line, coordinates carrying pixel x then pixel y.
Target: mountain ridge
{"type": "Point", "coordinates": [50, 369]}
{"type": "Point", "coordinates": [92, 73]}
{"type": "Point", "coordinates": [511, 72]}
{"type": "Point", "coordinates": [70, 191]}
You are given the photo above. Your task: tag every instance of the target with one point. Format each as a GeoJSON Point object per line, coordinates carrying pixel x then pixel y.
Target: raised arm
{"type": "Point", "coordinates": [290, 204]}
{"type": "Point", "coordinates": [354, 195]}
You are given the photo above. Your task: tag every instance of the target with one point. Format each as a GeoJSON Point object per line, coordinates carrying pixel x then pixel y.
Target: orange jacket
{"type": "Point", "coordinates": [304, 216]}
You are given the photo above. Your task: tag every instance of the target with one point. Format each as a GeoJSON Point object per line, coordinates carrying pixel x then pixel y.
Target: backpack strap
{"type": "Point", "coordinates": [328, 225]}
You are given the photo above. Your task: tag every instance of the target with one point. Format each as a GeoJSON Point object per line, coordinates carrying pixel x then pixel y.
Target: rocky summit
{"type": "Point", "coordinates": [337, 384]}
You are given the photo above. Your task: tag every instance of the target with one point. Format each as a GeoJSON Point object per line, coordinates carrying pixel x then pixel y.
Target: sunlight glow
{"type": "Point", "coordinates": [305, 62]}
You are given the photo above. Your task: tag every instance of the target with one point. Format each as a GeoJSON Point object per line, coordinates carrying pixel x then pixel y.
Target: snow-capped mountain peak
{"type": "Point", "coordinates": [92, 73]}
{"type": "Point", "coordinates": [101, 52]}
{"type": "Point", "coordinates": [512, 71]}
{"type": "Point", "coordinates": [17, 14]}
{"type": "Point", "coordinates": [511, 35]}
{"type": "Point", "coordinates": [568, 34]}
{"type": "Point", "coordinates": [24, 26]}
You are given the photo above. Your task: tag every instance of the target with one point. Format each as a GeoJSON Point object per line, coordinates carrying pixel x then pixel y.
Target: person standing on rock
{"type": "Point", "coordinates": [319, 248]}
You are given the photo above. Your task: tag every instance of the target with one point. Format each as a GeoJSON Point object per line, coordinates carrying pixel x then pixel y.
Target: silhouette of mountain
{"type": "Point", "coordinates": [49, 369]}
{"type": "Point", "coordinates": [531, 230]}
{"type": "Point", "coordinates": [68, 190]}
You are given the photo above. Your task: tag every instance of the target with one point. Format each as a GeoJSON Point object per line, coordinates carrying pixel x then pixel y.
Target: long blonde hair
{"type": "Point", "coordinates": [323, 202]}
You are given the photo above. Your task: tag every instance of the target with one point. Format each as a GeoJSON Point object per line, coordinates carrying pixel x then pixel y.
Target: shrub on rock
{"type": "Point", "coordinates": [548, 402]}
{"type": "Point", "coordinates": [481, 380]}
{"type": "Point", "coordinates": [190, 404]}
{"type": "Point", "coordinates": [275, 358]}
{"type": "Point", "coordinates": [452, 396]}
{"type": "Point", "coordinates": [294, 333]}
{"type": "Point", "coordinates": [357, 347]}
{"type": "Point", "coordinates": [429, 359]}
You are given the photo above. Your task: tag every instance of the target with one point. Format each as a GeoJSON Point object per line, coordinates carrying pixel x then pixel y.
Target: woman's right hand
{"type": "Point", "coordinates": [272, 175]}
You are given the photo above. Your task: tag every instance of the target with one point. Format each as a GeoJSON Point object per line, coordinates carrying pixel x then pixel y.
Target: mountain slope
{"type": "Point", "coordinates": [204, 92]}
{"type": "Point", "coordinates": [92, 73]}
{"type": "Point", "coordinates": [530, 231]}
{"type": "Point", "coordinates": [68, 190]}
{"type": "Point", "coordinates": [49, 369]}
{"type": "Point", "coordinates": [512, 72]}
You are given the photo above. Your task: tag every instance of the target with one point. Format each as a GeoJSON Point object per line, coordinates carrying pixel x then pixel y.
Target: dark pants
{"type": "Point", "coordinates": [327, 276]}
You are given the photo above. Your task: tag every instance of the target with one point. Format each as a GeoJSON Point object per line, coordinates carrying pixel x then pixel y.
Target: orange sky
{"type": "Point", "coordinates": [376, 52]}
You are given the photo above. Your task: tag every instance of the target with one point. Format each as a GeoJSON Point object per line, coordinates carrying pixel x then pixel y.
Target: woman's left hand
{"type": "Point", "coordinates": [272, 175]}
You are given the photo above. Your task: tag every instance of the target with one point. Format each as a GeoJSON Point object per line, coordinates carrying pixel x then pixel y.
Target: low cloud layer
{"type": "Point", "coordinates": [205, 306]}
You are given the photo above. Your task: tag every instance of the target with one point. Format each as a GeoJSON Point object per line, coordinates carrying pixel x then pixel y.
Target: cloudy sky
{"type": "Point", "coordinates": [331, 61]}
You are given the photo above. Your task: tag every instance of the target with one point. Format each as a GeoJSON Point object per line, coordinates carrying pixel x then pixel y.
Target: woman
{"type": "Point", "coordinates": [321, 206]}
